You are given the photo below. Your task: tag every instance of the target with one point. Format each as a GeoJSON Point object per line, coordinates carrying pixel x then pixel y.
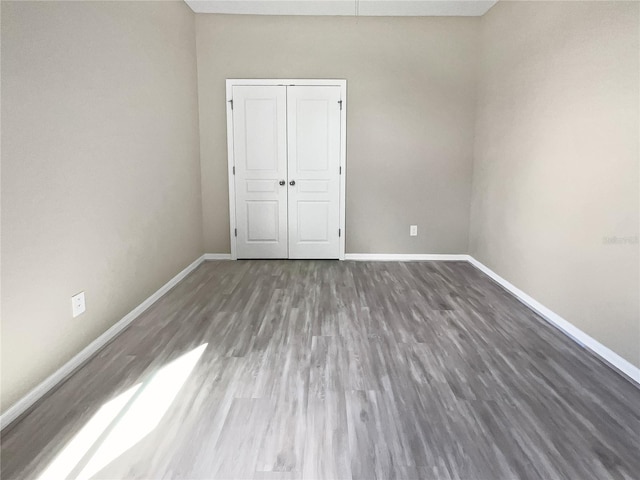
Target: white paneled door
{"type": "Point", "coordinates": [313, 133]}
{"type": "Point", "coordinates": [260, 152]}
{"type": "Point", "coordinates": [287, 163]}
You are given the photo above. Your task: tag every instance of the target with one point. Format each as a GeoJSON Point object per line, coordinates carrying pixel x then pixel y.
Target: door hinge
{"type": "Point", "coordinates": [231, 102]}
{"type": "Point", "coordinates": [234, 169]}
{"type": "Point", "coordinates": [235, 232]}
{"type": "Point", "coordinates": [339, 232]}
{"type": "Point", "coordinates": [340, 170]}
{"type": "Point", "coordinates": [340, 102]}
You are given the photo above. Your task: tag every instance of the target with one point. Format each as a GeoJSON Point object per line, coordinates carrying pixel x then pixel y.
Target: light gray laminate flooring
{"type": "Point", "coordinates": [335, 370]}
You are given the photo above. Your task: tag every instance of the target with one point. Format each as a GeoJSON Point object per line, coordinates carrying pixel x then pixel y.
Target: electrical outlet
{"type": "Point", "coordinates": [413, 230]}
{"type": "Point", "coordinates": [77, 304]}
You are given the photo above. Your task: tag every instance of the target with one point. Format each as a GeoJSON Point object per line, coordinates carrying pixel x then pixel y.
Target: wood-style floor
{"type": "Point", "coordinates": [335, 370]}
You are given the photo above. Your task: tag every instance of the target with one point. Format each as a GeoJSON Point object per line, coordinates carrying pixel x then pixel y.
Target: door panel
{"type": "Point", "coordinates": [312, 132]}
{"type": "Point", "coordinates": [313, 128]}
{"type": "Point", "coordinates": [263, 222]}
{"type": "Point", "coordinates": [313, 221]}
{"type": "Point", "coordinates": [260, 152]}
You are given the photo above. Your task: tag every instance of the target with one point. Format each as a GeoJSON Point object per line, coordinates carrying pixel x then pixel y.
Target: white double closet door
{"type": "Point", "coordinates": [286, 149]}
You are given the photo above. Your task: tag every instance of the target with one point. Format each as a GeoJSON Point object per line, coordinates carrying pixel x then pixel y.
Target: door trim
{"type": "Point", "coordinates": [231, 82]}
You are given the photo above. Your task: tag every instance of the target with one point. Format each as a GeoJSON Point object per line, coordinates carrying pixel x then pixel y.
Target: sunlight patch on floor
{"type": "Point", "coordinates": [122, 422]}
{"type": "Point", "coordinates": [78, 447]}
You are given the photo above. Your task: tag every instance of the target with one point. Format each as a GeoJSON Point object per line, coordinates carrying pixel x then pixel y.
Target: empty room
{"type": "Point", "coordinates": [320, 239]}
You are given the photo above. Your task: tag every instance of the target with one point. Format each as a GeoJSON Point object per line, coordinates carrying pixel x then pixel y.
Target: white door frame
{"type": "Point", "coordinates": [343, 147]}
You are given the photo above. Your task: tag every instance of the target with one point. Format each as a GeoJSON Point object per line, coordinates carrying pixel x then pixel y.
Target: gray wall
{"type": "Point", "coordinates": [556, 161]}
{"type": "Point", "coordinates": [100, 171]}
{"type": "Point", "coordinates": [411, 99]}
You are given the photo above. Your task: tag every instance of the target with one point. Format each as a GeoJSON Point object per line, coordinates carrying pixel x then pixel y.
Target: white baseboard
{"type": "Point", "coordinates": [217, 256]}
{"type": "Point", "coordinates": [580, 337]}
{"type": "Point", "coordinates": [89, 351]}
{"type": "Point", "coordinates": [405, 257]}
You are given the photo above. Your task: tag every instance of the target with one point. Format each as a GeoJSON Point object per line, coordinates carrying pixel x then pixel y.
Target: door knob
{"type": "Point", "coordinates": [282, 182]}
{"type": "Point", "coordinates": [292, 183]}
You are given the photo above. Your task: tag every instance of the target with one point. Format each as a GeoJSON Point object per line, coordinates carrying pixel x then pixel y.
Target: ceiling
{"type": "Point", "coordinates": [393, 8]}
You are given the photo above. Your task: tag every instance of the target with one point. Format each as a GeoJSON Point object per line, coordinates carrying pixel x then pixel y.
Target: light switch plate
{"type": "Point", "coordinates": [77, 304]}
{"type": "Point", "coordinates": [413, 230]}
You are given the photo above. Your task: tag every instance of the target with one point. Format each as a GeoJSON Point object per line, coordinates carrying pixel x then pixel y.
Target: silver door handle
{"type": "Point", "coordinates": [282, 182]}
{"type": "Point", "coordinates": [292, 183]}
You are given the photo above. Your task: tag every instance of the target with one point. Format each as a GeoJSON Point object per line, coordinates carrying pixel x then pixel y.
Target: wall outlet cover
{"type": "Point", "coordinates": [78, 304]}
